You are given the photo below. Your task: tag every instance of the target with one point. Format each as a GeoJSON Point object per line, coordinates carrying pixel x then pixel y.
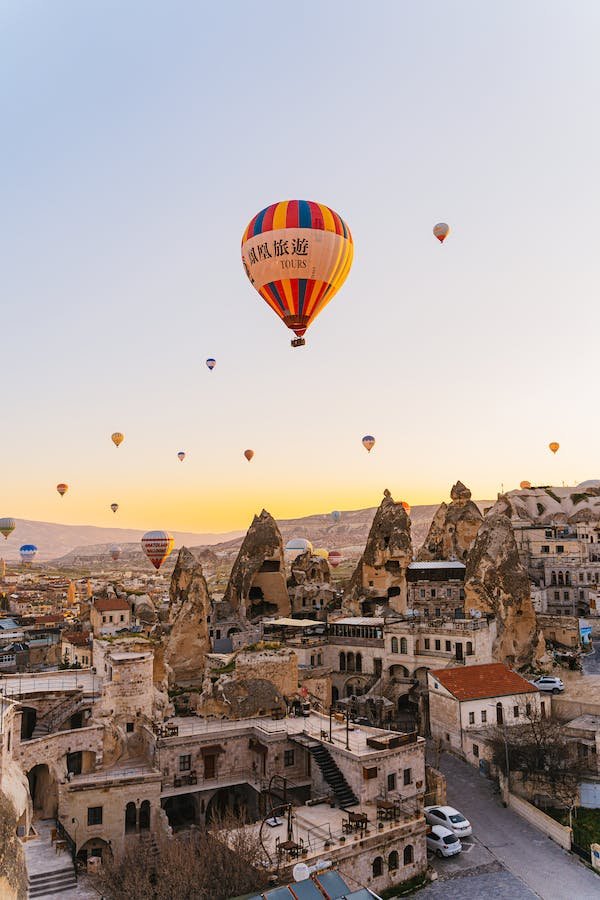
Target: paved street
{"type": "Point", "coordinates": [591, 661]}
{"type": "Point", "coordinates": [537, 866]}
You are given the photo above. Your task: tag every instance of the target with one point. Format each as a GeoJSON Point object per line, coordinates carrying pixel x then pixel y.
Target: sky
{"type": "Point", "coordinates": [138, 140]}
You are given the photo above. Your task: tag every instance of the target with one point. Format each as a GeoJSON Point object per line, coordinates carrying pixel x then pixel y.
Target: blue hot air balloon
{"type": "Point", "coordinates": [336, 516]}
{"type": "Point", "coordinates": [28, 552]}
{"type": "Point", "coordinates": [211, 363]}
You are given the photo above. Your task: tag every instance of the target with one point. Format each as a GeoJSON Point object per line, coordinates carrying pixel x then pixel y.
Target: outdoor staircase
{"type": "Point", "coordinates": [344, 794]}
{"type": "Point", "coordinates": [52, 884]}
{"type": "Point", "coordinates": [49, 874]}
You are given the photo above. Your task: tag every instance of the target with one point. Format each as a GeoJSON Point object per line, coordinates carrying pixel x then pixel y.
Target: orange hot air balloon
{"type": "Point", "coordinates": [406, 507]}
{"type": "Point", "coordinates": [248, 454]}
{"type": "Point", "coordinates": [117, 438]}
{"type": "Point", "coordinates": [114, 507]}
{"type": "Point", "coordinates": [157, 546]}
{"type": "Point", "coordinates": [297, 255]}
{"type": "Point", "coordinates": [525, 485]}
{"type": "Point", "coordinates": [441, 231]}
{"type": "Point", "coordinates": [62, 489]}
{"type": "Point", "coordinates": [554, 445]}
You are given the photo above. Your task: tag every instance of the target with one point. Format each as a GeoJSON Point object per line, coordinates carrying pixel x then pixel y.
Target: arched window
{"type": "Point", "coordinates": [394, 645]}
{"type": "Point", "coordinates": [378, 867]}
{"type": "Point", "coordinates": [499, 714]}
{"type": "Point", "coordinates": [409, 855]}
{"type": "Point", "coordinates": [130, 818]}
{"type": "Point", "coordinates": [561, 578]}
{"type": "Point", "coordinates": [145, 815]}
{"type": "Point", "coordinates": [393, 861]}
{"type": "Point", "coordinates": [469, 648]}
{"type": "Point", "coordinates": [319, 659]}
{"type": "Point", "coordinates": [567, 578]}
{"type": "Point", "coordinates": [359, 662]}
{"type": "Point", "coordinates": [403, 645]}
{"type": "Point", "coordinates": [553, 578]}
{"type": "Point", "coordinates": [342, 662]}
{"type": "Point", "coordinates": [312, 660]}
{"type": "Point", "coordinates": [350, 662]}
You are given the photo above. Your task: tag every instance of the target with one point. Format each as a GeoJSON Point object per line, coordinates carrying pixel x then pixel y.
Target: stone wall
{"type": "Point", "coordinates": [13, 871]}
{"type": "Point", "coordinates": [277, 666]}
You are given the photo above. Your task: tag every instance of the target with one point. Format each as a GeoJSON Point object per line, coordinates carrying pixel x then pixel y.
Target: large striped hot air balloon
{"type": "Point", "coordinates": [157, 546]}
{"type": "Point", "coordinates": [335, 558]}
{"type": "Point", "coordinates": [7, 526]}
{"type": "Point", "coordinates": [297, 254]}
{"type": "Point", "coordinates": [28, 552]}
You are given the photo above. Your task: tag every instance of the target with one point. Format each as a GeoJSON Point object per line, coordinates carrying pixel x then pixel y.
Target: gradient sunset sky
{"type": "Point", "coordinates": [139, 138]}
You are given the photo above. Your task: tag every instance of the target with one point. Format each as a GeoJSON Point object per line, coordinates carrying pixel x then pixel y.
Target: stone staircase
{"type": "Point", "coordinates": [344, 794]}
{"type": "Point", "coordinates": [49, 874]}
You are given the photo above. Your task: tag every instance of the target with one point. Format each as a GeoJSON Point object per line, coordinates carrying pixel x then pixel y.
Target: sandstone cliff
{"type": "Point", "coordinates": [496, 582]}
{"type": "Point", "coordinates": [553, 505]}
{"type": "Point", "coordinates": [186, 642]}
{"type": "Point", "coordinates": [309, 584]}
{"type": "Point", "coordinates": [453, 529]}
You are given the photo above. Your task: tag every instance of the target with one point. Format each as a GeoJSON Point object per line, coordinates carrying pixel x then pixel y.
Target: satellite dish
{"type": "Point", "coordinates": [300, 872]}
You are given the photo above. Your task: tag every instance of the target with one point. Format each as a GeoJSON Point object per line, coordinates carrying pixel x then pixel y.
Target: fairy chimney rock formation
{"type": "Point", "coordinates": [186, 641]}
{"type": "Point", "coordinates": [497, 583]}
{"type": "Point", "coordinates": [257, 584]}
{"type": "Point", "coordinates": [309, 584]}
{"type": "Point", "coordinates": [453, 529]}
{"type": "Point", "coordinates": [381, 571]}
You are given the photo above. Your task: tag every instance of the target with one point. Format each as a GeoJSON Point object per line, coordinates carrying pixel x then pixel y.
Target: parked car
{"type": "Point", "coordinates": [450, 818]}
{"type": "Point", "coordinates": [549, 683]}
{"type": "Point", "coordinates": [442, 841]}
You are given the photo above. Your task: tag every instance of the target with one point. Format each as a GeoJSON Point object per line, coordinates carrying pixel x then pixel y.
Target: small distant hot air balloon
{"type": "Point", "coordinates": [248, 454]}
{"type": "Point", "coordinates": [368, 442]}
{"type": "Point", "coordinates": [524, 485]}
{"type": "Point", "coordinates": [406, 507]}
{"type": "Point", "coordinates": [28, 552]}
{"type": "Point", "coordinates": [441, 231]}
{"type": "Point", "coordinates": [62, 488]}
{"type": "Point", "coordinates": [336, 516]}
{"type": "Point", "coordinates": [554, 445]}
{"type": "Point", "coordinates": [157, 546]}
{"type": "Point", "coordinates": [335, 558]}
{"type": "Point", "coordinates": [7, 526]}
{"type": "Point", "coordinates": [211, 363]}
{"type": "Point", "coordinates": [114, 507]}
{"type": "Point", "coordinates": [181, 456]}
{"type": "Point", "coordinates": [117, 438]}
{"type": "Point", "coordinates": [297, 255]}
{"type": "Point", "coordinates": [115, 552]}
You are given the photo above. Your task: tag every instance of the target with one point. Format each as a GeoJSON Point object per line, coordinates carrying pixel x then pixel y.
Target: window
{"type": "Point", "coordinates": [437, 645]}
{"type": "Point", "coordinates": [407, 776]}
{"type": "Point", "coordinates": [145, 815]}
{"type": "Point", "coordinates": [94, 815]}
{"type": "Point", "coordinates": [422, 593]}
{"type": "Point", "coordinates": [433, 593]}
{"type": "Point", "coordinates": [409, 856]}
{"type": "Point", "coordinates": [548, 532]}
{"type": "Point", "coordinates": [130, 818]}
{"type": "Point", "coordinates": [350, 662]}
{"type": "Point", "coordinates": [566, 595]}
{"type": "Point", "coordinates": [288, 757]}
{"type": "Point", "coordinates": [342, 662]}
{"type": "Point", "coordinates": [448, 646]}
{"type": "Point", "coordinates": [545, 548]}
{"type": "Point", "coordinates": [543, 709]}
{"type": "Point", "coordinates": [560, 548]}
{"type": "Point", "coordinates": [499, 714]}
{"type": "Point", "coordinates": [393, 861]}
{"type": "Point", "coordinates": [185, 762]}
{"type": "Point", "coordinates": [110, 618]}
{"type": "Point", "coordinates": [129, 727]}
{"type": "Point", "coordinates": [469, 648]}
{"type": "Point", "coordinates": [471, 718]}
{"type": "Point", "coordinates": [378, 867]}
{"type": "Point", "coordinates": [557, 595]}
{"type": "Point", "coordinates": [394, 645]}
{"type": "Point", "coordinates": [359, 662]}
{"type": "Point", "coordinates": [403, 645]}
{"type": "Point", "coordinates": [122, 618]}
{"type": "Point", "coordinates": [104, 620]}
{"type": "Point", "coordinates": [391, 781]}
{"type": "Point", "coordinates": [448, 592]}
{"type": "Point", "coordinates": [438, 612]}
{"type": "Point", "coordinates": [515, 712]}
{"type": "Point", "coordinates": [483, 716]}
{"type": "Point", "coordinates": [427, 643]}
{"type": "Point", "coordinates": [476, 750]}
{"type": "Point", "coordinates": [528, 709]}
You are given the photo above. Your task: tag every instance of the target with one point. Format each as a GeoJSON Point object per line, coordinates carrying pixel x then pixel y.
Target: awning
{"type": "Point", "coordinates": [212, 750]}
{"type": "Point", "coordinates": [292, 623]}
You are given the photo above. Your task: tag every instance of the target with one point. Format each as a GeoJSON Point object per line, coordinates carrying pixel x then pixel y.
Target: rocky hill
{"type": "Point", "coordinates": [543, 505]}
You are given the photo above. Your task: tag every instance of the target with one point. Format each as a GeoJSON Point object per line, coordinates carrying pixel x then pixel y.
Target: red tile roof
{"type": "Point", "coordinates": [77, 638]}
{"type": "Point", "coordinates": [479, 682]}
{"type": "Point", "coordinates": [108, 605]}
{"type": "Point", "coordinates": [47, 620]}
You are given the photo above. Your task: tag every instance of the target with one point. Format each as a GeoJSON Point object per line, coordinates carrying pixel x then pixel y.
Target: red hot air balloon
{"type": "Point", "coordinates": [115, 552]}
{"type": "Point", "coordinates": [406, 507]}
{"type": "Point", "coordinates": [441, 231]}
{"type": "Point", "coordinates": [335, 558]}
{"type": "Point", "coordinates": [248, 454]}
{"type": "Point", "coordinates": [157, 546]}
{"type": "Point", "coordinates": [62, 489]}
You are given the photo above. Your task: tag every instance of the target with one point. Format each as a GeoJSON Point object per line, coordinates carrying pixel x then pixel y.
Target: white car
{"type": "Point", "coordinates": [449, 818]}
{"type": "Point", "coordinates": [442, 841]}
{"type": "Point", "coordinates": [549, 683]}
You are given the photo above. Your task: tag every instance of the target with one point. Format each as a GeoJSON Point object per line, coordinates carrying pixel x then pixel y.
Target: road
{"type": "Point", "coordinates": [502, 837]}
{"type": "Point", "coordinates": [591, 661]}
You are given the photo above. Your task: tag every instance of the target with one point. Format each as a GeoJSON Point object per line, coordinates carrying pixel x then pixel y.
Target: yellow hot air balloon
{"type": "Point", "coordinates": [320, 551]}
{"type": "Point", "coordinates": [62, 489]}
{"type": "Point", "coordinates": [554, 446]}
{"type": "Point", "coordinates": [525, 485]}
{"type": "Point", "coordinates": [117, 438]}
{"type": "Point", "coordinates": [297, 255]}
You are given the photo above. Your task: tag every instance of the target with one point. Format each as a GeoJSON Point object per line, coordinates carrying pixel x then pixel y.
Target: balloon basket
{"type": "Point", "coordinates": [298, 342]}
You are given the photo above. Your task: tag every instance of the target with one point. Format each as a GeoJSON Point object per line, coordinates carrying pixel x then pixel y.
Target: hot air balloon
{"type": "Point", "coordinates": [368, 442]}
{"type": "Point", "coordinates": [114, 507]}
{"type": "Point", "coordinates": [115, 552]}
{"type": "Point", "coordinates": [211, 363]}
{"type": "Point", "coordinates": [157, 546]}
{"type": "Point", "coordinates": [117, 438]}
{"type": "Point", "coordinates": [336, 516]}
{"type": "Point", "coordinates": [335, 558]}
{"type": "Point", "coordinates": [321, 552]}
{"type": "Point", "coordinates": [524, 485]}
{"type": "Point", "coordinates": [295, 547]}
{"type": "Point", "coordinates": [248, 454]}
{"type": "Point", "coordinates": [297, 255]}
{"type": "Point", "coordinates": [441, 231]}
{"type": "Point", "coordinates": [7, 526]}
{"type": "Point", "coordinates": [181, 456]}
{"type": "Point", "coordinates": [28, 552]}
{"type": "Point", "coordinates": [62, 488]}
{"type": "Point", "coordinates": [406, 507]}
{"type": "Point", "coordinates": [553, 445]}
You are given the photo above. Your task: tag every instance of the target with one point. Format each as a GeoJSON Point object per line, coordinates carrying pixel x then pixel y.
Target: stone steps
{"type": "Point", "coordinates": [47, 884]}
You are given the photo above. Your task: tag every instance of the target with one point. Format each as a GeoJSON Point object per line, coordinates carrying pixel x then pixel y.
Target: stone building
{"type": "Point", "coordinates": [109, 615]}
{"type": "Point", "coordinates": [436, 588]}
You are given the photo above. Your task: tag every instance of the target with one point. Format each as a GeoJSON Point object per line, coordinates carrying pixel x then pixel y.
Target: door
{"type": "Point", "coordinates": [459, 651]}
{"type": "Point", "coordinates": [210, 765]}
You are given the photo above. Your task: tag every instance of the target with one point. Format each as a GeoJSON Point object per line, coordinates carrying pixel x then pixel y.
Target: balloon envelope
{"type": "Point", "coordinates": [336, 516]}
{"type": "Point", "coordinates": [7, 526]}
{"type": "Point", "coordinates": [181, 456]}
{"type": "Point", "coordinates": [28, 552]}
{"type": "Point", "coordinates": [441, 231]}
{"type": "Point", "coordinates": [297, 255]}
{"type": "Point", "coordinates": [406, 507]}
{"type": "Point", "coordinates": [335, 558]}
{"type": "Point", "coordinates": [211, 363]}
{"type": "Point", "coordinates": [62, 489]}
{"type": "Point", "coordinates": [368, 442]}
{"type": "Point", "coordinates": [117, 438]}
{"type": "Point", "coordinates": [115, 552]}
{"type": "Point", "coordinates": [320, 551]}
{"type": "Point", "coordinates": [157, 546]}
{"type": "Point", "coordinates": [554, 445]}
{"type": "Point", "coordinates": [524, 485]}
{"type": "Point", "coordinates": [248, 454]}
{"type": "Point", "coordinates": [295, 547]}
{"type": "Point", "coordinates": [114, 507]}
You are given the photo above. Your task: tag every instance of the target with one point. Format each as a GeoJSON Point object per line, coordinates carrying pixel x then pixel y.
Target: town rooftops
{"type": "Point", "coordinates": [114, 604]}
{"type": "Point", "coordinates": [77, 638]}
{"type": "Point", "coordinates": [53, 619]}
{"type": "Point", "coordinates": [479, 682]}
